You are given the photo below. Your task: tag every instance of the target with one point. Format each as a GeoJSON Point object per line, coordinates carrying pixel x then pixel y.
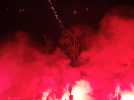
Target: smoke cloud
{"type": "Point", "coordinates": [26, 73]}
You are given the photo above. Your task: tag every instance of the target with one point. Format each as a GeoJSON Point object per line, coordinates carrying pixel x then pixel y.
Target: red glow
{"type": "Point", "coordinates": [28, 74]}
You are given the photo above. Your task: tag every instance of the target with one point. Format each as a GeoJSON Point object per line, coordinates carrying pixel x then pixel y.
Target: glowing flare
{"type": "Point", "coordinates": [66, 95]}
{"type": "Point", "coordinates": [45, 95]}
{"type": "Point", "coordinates": [123, 94]}
{"type": "Point", "coordinates": [127, 96]}
{"type": "Point", "coordinates": [81, 91]}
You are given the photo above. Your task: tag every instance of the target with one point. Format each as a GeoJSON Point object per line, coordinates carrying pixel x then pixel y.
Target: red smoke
{"type": "Point", "coordinates": [26, 73]}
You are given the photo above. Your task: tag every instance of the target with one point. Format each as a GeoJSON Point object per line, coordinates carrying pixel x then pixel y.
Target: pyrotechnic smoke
{"type": "Point", "coordinates": [28, 74]}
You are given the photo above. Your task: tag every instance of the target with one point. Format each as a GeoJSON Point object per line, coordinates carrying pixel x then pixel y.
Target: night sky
{"type": "Point", "coordinates": [35, 16]}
